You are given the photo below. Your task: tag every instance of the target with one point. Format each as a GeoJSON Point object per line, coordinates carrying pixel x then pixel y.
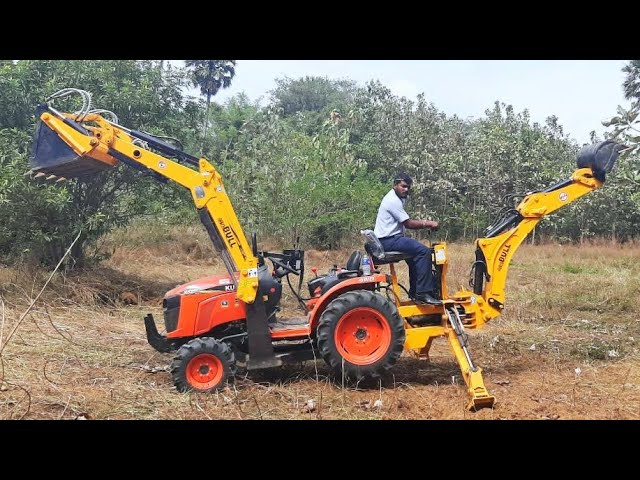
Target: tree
{"type": "Point", "coordinates": [631, 84]}
{"type": "Point", "coordinates": [291, 184]}
{"type": "Point", "coordinates": [210, 76]}
{"type": "Point", "coordinates": [627, 121]}
{"type": "Point", "coordinates": [42, 219]}
{"type": "Point", "coordinates": [229, 121]}
{"type": "Point", "coordinates": [310, 101]}
{"type": "Point", "coordinates": [627, 131]}
{"type": "Point", "coordinates": [312, 94]}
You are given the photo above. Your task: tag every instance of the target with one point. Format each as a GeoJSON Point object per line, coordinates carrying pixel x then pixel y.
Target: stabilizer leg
{"type": "Point", "coordinates": [472, 375]}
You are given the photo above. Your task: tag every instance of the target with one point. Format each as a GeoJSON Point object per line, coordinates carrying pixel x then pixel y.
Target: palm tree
{"type": "Point", "coordinates": [210, 76]}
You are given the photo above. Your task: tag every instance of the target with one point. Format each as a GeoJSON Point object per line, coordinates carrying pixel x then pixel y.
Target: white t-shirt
{"type": "Point", "coordinates": [391, 214]}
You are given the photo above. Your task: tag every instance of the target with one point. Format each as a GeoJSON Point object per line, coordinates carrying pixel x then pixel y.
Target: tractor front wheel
{"type": "Point", "coordinates": [361, 335]}
{"type": "Point", "coordinates": [203, 365]}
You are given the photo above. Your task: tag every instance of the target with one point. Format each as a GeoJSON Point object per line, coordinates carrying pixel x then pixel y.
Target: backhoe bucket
{"type": "Point", "coordinates": [600, 157]}
{"type": "Point", "coordinates": [53, 156]}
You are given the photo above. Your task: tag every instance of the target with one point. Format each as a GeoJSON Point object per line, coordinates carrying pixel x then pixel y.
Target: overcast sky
{"type": "Point", "coordinates": [581, 93]}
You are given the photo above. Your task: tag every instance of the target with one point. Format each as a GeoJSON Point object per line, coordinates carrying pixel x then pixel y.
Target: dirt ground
{"type": "Point", "coordinates": [565, 348]}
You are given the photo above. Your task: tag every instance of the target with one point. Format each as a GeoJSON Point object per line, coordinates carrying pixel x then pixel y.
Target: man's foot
{"type": "Point", "coordinates": [427, 298]}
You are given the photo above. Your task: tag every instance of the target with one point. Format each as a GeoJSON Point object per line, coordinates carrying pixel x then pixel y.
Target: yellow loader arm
{"type": "Point", "coordinates": [495, 251]}
{"type": "Point", "coordinates": [74, 145]}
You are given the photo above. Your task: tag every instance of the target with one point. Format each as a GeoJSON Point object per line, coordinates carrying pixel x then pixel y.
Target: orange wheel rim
{"type": "Point", "coordinates": [204, 371]}
{"type": "Point", "coordinates": [362, 336]}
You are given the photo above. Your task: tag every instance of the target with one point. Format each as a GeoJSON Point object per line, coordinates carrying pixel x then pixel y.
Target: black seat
{"type": "Point", "coordinates": [391, 257]}
{"type": "Point", "coordinates": [354, 260]}
{"type": "Point", "coordinates": [375, 249]}
{"type": "Point", "coordinates": [324, 283]}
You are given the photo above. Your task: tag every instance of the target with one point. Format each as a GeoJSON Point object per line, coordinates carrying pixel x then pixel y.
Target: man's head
{"type": "Point", "coordinates": [402, 184]}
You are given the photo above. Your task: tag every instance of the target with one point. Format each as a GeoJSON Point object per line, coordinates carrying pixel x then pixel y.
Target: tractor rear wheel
{"type": "Point", "coordinates": [361, 335]}
{"type": "Point", "coordinates": [203, 365]}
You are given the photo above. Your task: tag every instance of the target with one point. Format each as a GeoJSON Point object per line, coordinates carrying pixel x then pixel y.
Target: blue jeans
{"type": "Point", "coordinates": [420, 275]}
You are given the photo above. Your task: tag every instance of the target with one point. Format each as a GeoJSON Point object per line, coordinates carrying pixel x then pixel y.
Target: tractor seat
{"type": "Point", "coordinates": [376, 250]}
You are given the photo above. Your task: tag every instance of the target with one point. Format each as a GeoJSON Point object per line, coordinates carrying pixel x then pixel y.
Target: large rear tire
{"type": "Point", "coordinates": [361, 335]}
{"type": "Point", "coordinates": [203, 365]}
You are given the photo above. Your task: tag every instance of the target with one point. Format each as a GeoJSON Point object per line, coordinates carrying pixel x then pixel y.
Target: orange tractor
{"type": "Point", "coordinates": [359, 324]}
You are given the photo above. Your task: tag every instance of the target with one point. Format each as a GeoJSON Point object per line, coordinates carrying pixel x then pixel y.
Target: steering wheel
{"type": "Point", "coordinates": [284, 265]}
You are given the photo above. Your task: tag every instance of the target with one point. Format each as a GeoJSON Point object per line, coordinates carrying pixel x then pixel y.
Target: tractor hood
{"type": "Point", "coordinates": [214, 282]}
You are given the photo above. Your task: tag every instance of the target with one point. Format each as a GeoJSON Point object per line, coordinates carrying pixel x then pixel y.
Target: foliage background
{"type": "Point", "coordinates": [312, 163]}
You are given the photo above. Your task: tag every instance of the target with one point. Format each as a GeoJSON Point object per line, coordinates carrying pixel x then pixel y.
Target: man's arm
{"type": "Point", "coordinates": [420, 224]}
{"type": "Point", "coordinates": [400, 214]}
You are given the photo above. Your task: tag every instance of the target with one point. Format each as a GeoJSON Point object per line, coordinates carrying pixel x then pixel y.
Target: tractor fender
{"type": "Point", "coordinates": [367, 282]}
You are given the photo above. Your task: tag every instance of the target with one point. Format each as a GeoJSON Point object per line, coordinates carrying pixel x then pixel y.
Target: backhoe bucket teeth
{"type": "Point", "coordinates": [52, 156]}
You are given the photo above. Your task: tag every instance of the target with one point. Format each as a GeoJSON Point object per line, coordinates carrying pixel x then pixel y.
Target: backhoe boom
{"type": "Point", "coordinates": [495, 251]}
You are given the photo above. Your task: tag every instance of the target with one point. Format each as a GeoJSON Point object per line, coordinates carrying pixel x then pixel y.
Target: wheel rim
{"type": "Point", "coordinates": [362, 336]}
{"type": "Point", "coordinates": [204, 371]}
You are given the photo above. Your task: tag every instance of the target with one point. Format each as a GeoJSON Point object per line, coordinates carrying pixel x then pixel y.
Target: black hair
{"type": "Point", "coordinates": [403, 177]}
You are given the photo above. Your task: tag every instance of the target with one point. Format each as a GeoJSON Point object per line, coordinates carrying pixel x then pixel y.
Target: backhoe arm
{"type": "Point", "coordinates": [495, 251]}
{"type": "Point", "coordinates": [74, 145]}
{"type": "Point", "coordinates": [498, 250]}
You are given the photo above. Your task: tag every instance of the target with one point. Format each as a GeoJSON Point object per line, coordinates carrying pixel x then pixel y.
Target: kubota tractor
{"type": "Point", "coordinates": [359, 324]}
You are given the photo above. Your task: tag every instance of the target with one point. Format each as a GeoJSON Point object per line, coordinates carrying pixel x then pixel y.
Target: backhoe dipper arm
{"type": "Point", "coordinates": [98, 144]}
{"type": "Point", "coordinates": [495, 251]}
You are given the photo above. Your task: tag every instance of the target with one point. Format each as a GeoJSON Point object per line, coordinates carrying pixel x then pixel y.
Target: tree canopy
{"type": "Point", "coordinates": [313, 162]}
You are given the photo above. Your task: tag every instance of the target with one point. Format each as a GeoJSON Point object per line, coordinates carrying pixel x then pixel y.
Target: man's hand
{"type": "Point", "coordinates": [430, 224]}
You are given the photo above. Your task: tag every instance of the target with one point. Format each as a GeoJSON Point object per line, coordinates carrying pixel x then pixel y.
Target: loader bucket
{"type": "Point", "coordinates": [51, 155]}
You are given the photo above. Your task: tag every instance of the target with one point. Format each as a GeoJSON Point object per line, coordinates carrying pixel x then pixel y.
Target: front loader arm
{"type": "Point", "coordinates": [97, 144]}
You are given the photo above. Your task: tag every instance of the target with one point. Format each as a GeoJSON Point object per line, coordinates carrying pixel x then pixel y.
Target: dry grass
{"type": "Point", "coordinates": [565, 348]}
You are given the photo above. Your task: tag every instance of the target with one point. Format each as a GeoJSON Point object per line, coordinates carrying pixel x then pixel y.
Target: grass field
{"type": "Point", "coordinates": [566, 346]}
